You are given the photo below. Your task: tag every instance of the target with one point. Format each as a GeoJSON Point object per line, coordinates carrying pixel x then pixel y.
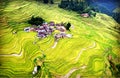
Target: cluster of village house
{"type": "Point", "coordinates": [47, 28]}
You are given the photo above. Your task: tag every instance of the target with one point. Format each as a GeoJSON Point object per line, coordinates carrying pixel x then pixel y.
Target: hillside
{"type": "Point", "coordinates": [83, 55]}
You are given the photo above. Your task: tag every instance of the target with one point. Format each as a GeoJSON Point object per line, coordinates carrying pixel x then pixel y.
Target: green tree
{"type": "Point", "coordinates": [51, 2]}
{"type": "Point", "coordinates": [45, 1]}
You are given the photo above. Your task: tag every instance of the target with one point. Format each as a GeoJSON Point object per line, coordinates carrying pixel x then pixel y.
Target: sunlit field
{"type": "Point", "coordinates": [84, 55]}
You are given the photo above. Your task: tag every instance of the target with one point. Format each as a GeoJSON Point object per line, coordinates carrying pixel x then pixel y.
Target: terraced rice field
{"type": "Point", "coordinates": [83, 55]}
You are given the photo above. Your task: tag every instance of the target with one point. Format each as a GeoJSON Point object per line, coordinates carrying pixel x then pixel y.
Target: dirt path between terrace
{"type": "Point", "coordinates": [69, 73]}
{"type": "Point", "coordinates": [72, 71]}
{"type": "Point", "coordinates": [13, 54]}
{"type": "Point", "coordinates": [55, 43]}
{"type": "Point", "coordinates": [77, 58]}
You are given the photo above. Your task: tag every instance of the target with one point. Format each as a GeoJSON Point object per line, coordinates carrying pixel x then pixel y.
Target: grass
{"type": "Point", "coordinates": [62, 58]}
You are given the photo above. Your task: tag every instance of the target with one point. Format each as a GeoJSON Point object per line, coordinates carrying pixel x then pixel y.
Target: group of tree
{"type": "Point", "coordinates": [116, 14]}
{"type": "Point", "coordinates": [47, 1]}
{"type": "Point", "coordinates": [36, 21]}
{"type": "Point", "coordinates": [82, 6]}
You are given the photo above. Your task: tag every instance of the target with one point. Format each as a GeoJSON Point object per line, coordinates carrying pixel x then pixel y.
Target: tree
{"type": "Point", "coordinates": [76, 1]}
{"type": "Point", "coordinates": [51, 2]}
{"type": "Point", "coordinates": [116, 14]}
{"type": "Point", "coordinates": [36, 21]}
{"type": "Point", "coordinates": [68, 26]}
{"type": "Point", "coordinates": [45, 1]}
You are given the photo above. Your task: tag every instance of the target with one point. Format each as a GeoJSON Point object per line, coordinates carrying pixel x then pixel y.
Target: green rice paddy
{"type": "Point", "coordinates": [83, 55]}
